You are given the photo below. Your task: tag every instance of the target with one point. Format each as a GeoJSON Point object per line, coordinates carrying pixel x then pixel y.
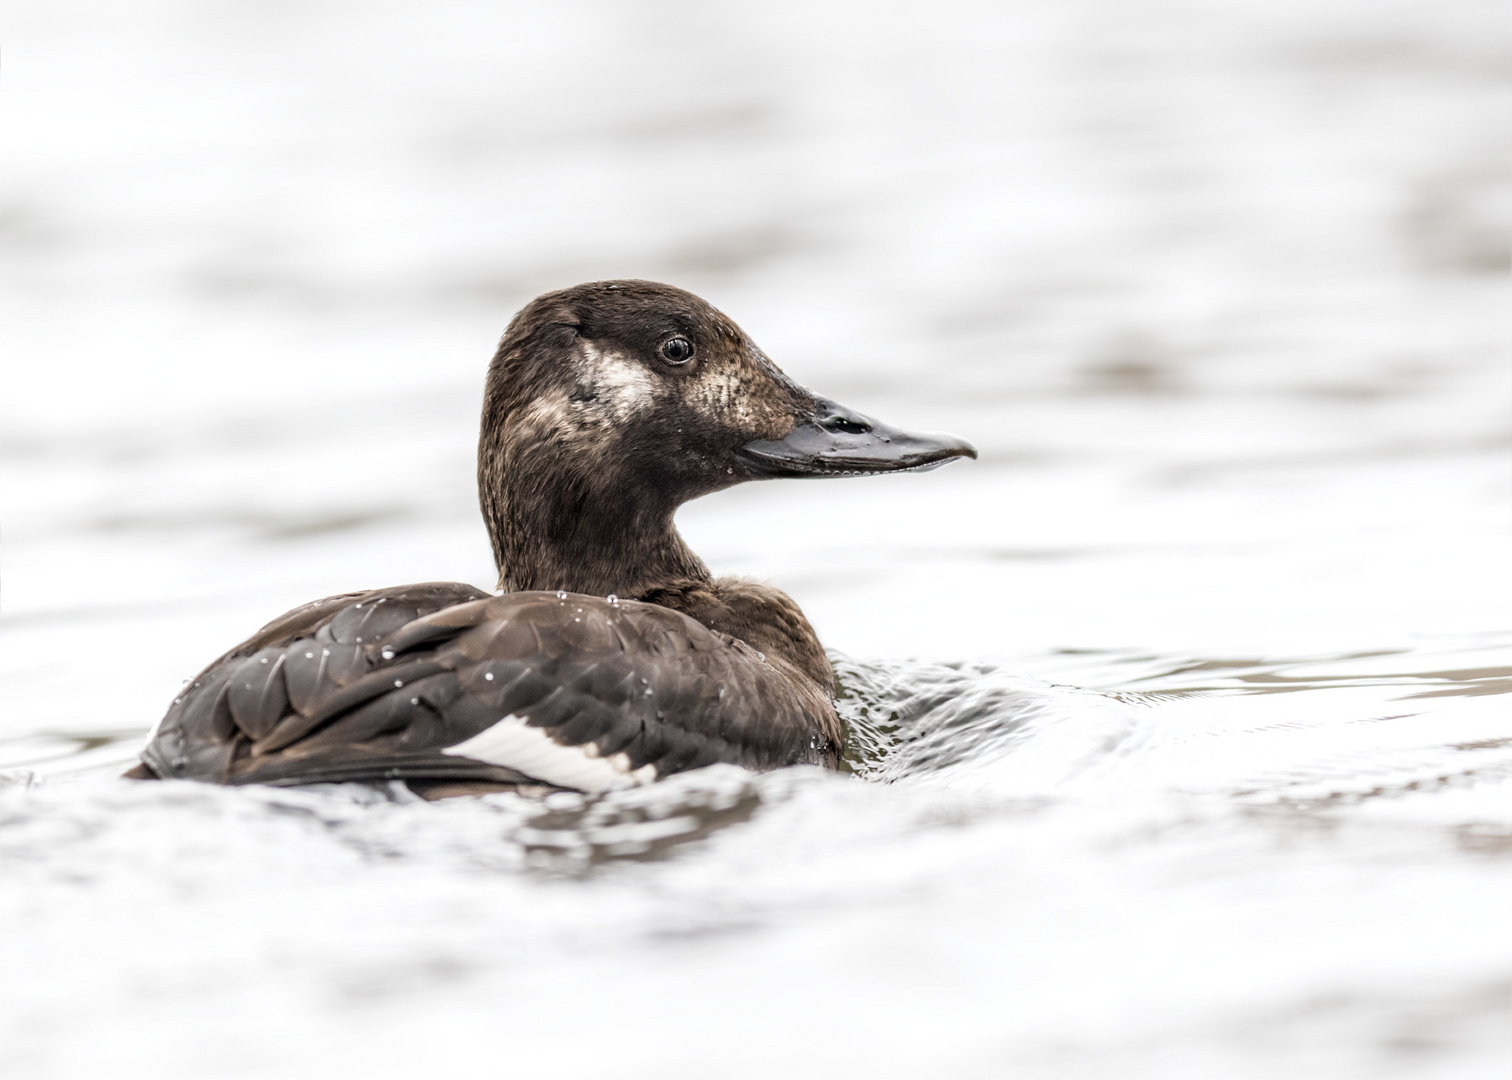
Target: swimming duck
{"type": "Point", "coordinates": [611, 656]}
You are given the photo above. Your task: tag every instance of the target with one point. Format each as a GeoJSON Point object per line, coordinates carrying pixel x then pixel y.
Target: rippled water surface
{"type": "Point", "coordinates": [1180, 729]}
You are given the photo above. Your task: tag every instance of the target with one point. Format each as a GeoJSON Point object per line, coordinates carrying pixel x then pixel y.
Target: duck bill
{"type": "Point", "coordinates": [834, 441]}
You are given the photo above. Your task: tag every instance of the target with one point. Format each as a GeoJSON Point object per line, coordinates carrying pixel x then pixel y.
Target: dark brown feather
{"type": "Point", "coordinates": [625, 676]}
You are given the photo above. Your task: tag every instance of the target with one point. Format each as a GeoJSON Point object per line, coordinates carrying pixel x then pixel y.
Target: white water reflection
{"type": "Point", "coordinates": [1179, 719]}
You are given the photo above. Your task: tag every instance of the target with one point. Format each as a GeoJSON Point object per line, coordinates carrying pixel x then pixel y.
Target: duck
{"type": "Point", "coordinates": [609, 656]}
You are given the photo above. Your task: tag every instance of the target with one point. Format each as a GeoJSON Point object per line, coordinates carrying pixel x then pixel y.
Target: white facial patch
{"type": "Point", "coordinates": [516, 745]}
{"type": "Point", "coordinates": [549, 412]}
{"type": "Point", "coordinates": [721, 394]}
{"type": "Point", "coordinates": [621, 387]}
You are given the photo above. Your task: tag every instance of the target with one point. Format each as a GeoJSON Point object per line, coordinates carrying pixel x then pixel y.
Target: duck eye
{"type": "Point", "coordinates": [678, 350]}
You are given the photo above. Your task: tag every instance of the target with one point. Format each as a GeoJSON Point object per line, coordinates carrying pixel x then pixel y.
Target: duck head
{"type": "Point", "coordinates": [610, 404]}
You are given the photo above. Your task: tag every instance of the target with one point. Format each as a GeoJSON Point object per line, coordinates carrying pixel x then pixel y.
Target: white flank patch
{"type": "Point", "coordinates": [516, 745]}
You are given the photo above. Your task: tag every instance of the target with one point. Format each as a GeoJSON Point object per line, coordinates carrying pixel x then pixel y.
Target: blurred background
{"type": "Point", "coordinates": [1210, 273]}
{"type": "Point", "coordinates": [1218, 288]}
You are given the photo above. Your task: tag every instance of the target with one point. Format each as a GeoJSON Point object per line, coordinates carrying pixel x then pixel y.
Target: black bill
{"type": "Point", "coordinates": [835, 441]}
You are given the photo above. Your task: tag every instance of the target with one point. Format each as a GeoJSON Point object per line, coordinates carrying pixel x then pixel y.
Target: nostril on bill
{"type": "Point", "coordinates": [845, 425]}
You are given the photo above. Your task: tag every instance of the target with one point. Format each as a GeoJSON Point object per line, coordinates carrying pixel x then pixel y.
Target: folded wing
{"type": "Point", "coordinates": [441, 682]}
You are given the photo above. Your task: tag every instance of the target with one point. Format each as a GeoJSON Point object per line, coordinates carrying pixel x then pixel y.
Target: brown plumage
{"type": "Point", "coordinates": [612, 656]}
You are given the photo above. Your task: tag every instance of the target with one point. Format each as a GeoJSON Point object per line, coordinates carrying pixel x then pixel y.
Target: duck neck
{"type": "Point", "coordinates": [583, 535]}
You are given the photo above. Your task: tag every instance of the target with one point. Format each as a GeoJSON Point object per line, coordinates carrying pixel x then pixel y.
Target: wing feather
{"type": "Point", "coordinates": [257, 693]}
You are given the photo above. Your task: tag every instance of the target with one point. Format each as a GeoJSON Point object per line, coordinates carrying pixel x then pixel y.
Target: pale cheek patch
{"type": "Point", "coordinates": [744, 400]}
{"type": "Point", "coordinates": [722, 394]}
{"type": "Point", "coordinates": [550, 413]}
{"type": "Point", "coordinates": [621, 387]}
{"type": "Point", "coordinates": [516, 745]}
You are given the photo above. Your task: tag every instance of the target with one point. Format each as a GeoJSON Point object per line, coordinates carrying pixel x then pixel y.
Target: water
{"type": "Point", "coordinates": [1179, 736]}
{"type": "Point", "coordinates": [1061, 880]}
